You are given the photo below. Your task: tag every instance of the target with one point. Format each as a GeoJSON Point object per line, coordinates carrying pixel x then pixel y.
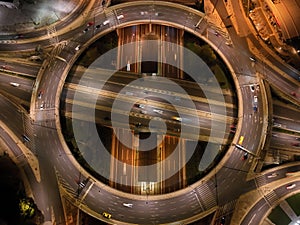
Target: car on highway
{"type": "Point", "coordinates": [222, 220]}
{"type": "Point", "coordinates": [245, 156]}
{"type": "Point", "coordinates": [141, 106]}
{"type": "Point", "coordinates": [158, 111]}
{"type": "Point", "coordinates": [216, 33]}
{"type": "Point", "coordinates": [40, 94]}
{"type": "Point", "coordinates": [14, 84]}
{"type": "Point", "coordinates": [252, 59]}
{"type": "Point", "coordinates": [42, 105]}
{"type": "Point", "coordinates": [241, 140]}
{"type": "Point", "coordinates": [294, 94]}
{"type": "Point", "coordinates": [106, 215]}
{"type": "Point", "coordinates": [35, 58]}
{"type": "Point", "coordinates": [106, 22]}
{"type": "Point", "coordinates": [295, 173]}
{"type": "Point", "coordinates": [291, 186]}
{"type": "Point", "coordinates": [90, 23]}
{"type": "Point", "coordinates": [255, 108]}
{"type": "Point", "coordinates": [138, 124]}
{"type": "Point", "coordinates": [77, 47]}
{"type": "Point", "coordinates": [277, 125]}
{"type": "Point", "coordinates": [120, 17]}
{"type": "Point", "coordinates": [128, 205]}
{"type": "Point", "coordinates": [5, 67]}
{"type": "Point", "coordinates": [255, 99]}
{"type": "Point", "coordinates": [232, 129]}
{"type": "Point", "coordinates": [177, 118]}
{"type": "Point", "coordinates": [272, 175]}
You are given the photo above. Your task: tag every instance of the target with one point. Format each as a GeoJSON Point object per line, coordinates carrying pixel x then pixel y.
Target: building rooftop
{"type": "Point", "coordinates": [287, 16]}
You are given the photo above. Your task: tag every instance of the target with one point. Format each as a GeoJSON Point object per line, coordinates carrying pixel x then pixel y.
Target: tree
{"type": "Point", "coordinates": [27, 207]}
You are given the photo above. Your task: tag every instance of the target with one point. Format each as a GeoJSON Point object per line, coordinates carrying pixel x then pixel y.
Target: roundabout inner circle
{"type": "Point", "coordinates": [109, 112]}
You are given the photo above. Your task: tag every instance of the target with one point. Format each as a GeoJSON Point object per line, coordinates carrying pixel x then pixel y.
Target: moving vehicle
{"type": "Point", "coordinates": [90, 23]}
{"type": "Point", "coordinates": [158, 111]}
{"type": "Point", "coordinates": [40, 94]}
{"type": "Point", "coordinates": [241, 140]}
{"type": "Point", "coordinates": [255, 108]}
{"type": "Point", "coordinates": [77, 47]}
{"type": "Point", "coordinates": [139, 106]}
{"type": "Point", "coordinates": [255, 99]}
{"type": "Point", "coordinates": [14, 84]}
{"type": "Point", "coordinates": [42, 105]}
{"type": "Point", "coordinates": [177, 118]}
{"type": "Point", "coordinates": [295, 173]}
{"type": "Point", "coordinates": [106, 215]}
{"type": "Point", "coordinates": [106, 22]}
{"type": "Point", "coordinates": [222, 220]}
{"type": "Point", "coordinates": [291, 186]}
{"type": "Point", "coordinates": [128, 205]}
{"type": "Point", "coordinates": [272, 175]}
{"type": "Point", "coordinates": [120, 16]}
{"type": "Point", "coordinates": [245, 156]}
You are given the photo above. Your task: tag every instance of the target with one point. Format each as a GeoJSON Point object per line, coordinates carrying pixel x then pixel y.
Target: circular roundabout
{"type": "Point", "coordinates": [149, 116]}
{"type": "Point", "coordinates": [149, 120]}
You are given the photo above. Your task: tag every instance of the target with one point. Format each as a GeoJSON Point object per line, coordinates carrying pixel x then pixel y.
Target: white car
{"type": "Point", "coordinates": [255, 99]}
{"type": "Point", "coordinates": [158, 111]}
{"type": "Point", "coordinates": [272, 175]}
{"type": "Point", "coordinates": [77, 47]}
{"type": "Point", "coordinates": [42, 105]}
{"type": "Point", "coordinates": [120, 17]}
{"type": "Point", "coordinates": [129, 205]}
{"type": "Point", "coordinates": [14, 84]}
{"type": "Point", "coordinates": [291, 186]}
{"type": "Point", "coordinates": [106, 22]}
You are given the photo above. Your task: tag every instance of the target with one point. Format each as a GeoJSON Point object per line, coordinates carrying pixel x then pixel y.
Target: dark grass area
{"type": "Point", "coordinates": [279, 217]}
{"type": "Point", "coordinates": [294, 202]}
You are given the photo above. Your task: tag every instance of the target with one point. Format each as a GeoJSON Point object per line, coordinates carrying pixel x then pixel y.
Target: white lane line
{"type": "Point", "coordinates": [252, 219]}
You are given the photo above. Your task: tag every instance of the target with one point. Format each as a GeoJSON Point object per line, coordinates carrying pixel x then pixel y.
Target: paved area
{"type": "Point", "coordinates": [33, 15]}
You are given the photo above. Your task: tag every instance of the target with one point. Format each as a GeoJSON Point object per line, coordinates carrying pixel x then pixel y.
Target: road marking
{"type": "Point", "coordinates": [252, 219]}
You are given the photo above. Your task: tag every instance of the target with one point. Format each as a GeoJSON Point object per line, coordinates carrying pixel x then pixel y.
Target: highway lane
{"type": "Point", "coordinates": [279, 82]}
{"type": "Point", "coordinates": [286, 142]}
{"type": "Point", "coordinates": [17, 122]}
{"type": "Point", "coordinates": [20, 67]}
{"type": "Point", "coordinates": [267, 202]}
{"type": "Point", "coordinates": [150, 87]}
{"type": "Point", "coordinates": [48, 196]}
{"type": "Point", "coordinates": [22, 90]}
{"type": "Point", "coordinates": [285, 116]}
{"type": "Point", "coordinates": [148, 93]}
{"type": "Point", "coordinates": [149, 101]}
{"type": "Point", "coordinates": [12, 116]}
